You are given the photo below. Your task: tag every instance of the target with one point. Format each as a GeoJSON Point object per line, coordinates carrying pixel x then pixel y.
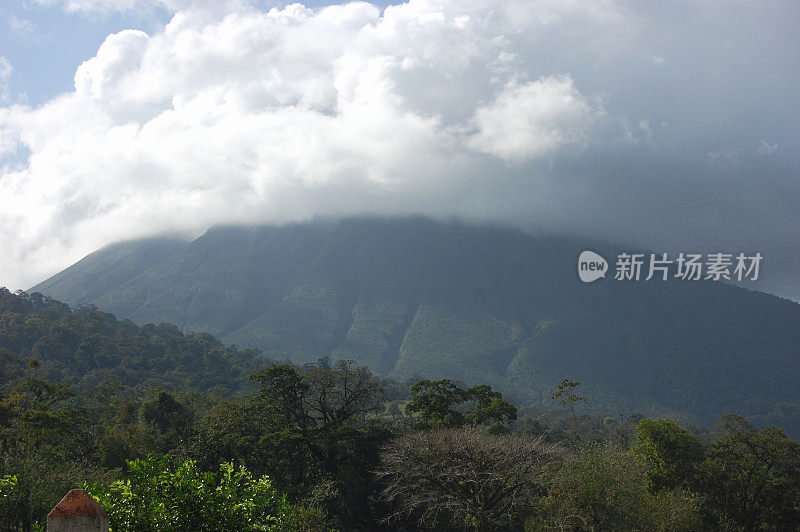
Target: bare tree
{"type": "Point", "coordinates": [464, 477]}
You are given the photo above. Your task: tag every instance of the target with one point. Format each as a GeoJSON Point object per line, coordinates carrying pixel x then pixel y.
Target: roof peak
{"type": "Point", "coordinates": [77, 502]}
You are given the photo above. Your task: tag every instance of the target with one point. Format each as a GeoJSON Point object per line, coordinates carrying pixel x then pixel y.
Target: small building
{"type": "Point", "coordinates": [77, 512]}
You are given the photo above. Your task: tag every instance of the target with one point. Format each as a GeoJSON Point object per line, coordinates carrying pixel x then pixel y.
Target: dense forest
{"type": "Point", "coordinates": [176, 432]}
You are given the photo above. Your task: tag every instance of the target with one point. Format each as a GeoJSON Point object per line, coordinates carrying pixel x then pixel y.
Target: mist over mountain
{"type": "Point", "coordinates": [668, 126]}
{"type": "Point", "coordinates": [483, 304]}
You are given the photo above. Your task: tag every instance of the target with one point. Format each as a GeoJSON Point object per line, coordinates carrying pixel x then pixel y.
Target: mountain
{"type": "Point", "coordinates": [482, 304]}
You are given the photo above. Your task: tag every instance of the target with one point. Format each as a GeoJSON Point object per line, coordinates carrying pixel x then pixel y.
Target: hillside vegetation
{"type": "Point", "coordinates": [184, 435]}
{"type": "Point", "coordinates": [86, 348]}
{"type": "Point", "coordinates": [482, 304]}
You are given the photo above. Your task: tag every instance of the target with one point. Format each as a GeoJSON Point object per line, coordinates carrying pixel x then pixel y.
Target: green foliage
{"type": "Point", "coordinates": [672, 453]}
{"type": "Point", "coordinates": [159, 495]}
{"type": "Point", "coordinates": [108, 394]}
{"type": "Point", "coordinates": [752, 477]}
{"type": "Point", "coordinates": [444, 404]}
{"type": "Point", "coordinates": [168, 420]}
{"type": "Point", "coordinates": [436, 402]}
{"type": "Point", "coordinates": [282, 386]}
{"type": "Point", "coordinates": [8, 485]}
{"type": "Point", "coordinates": [85, 348]}
{"type": "Point", "coordinates": [316, 432]}
{"type": "Point", "coordinates": [604, 489]}
{"type": "Point", "coordinates": [490, 409]}
{"type": "Point", "coordinates": [565, 395]}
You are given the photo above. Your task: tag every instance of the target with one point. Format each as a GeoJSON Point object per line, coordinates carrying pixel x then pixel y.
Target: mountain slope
{"type": "Point", "coordinates": [89, 349]}
{"type": "Point", "coordinates": [483, 304]}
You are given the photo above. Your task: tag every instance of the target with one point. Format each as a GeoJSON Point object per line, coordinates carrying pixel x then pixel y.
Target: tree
{"type": "Point", "coordinates": [8, 369]}
{"type": "Point", "coordinates": [444, 404]}
{"type": "Point", "coordinates": [489, 409]}
{"type": "Point", "coordinates": [8, 490]}
{"type": "Point", "coordinates": [672, 453]}
{"type": "Point", "coordinates": [567, 398]}
{"type": "Point", "coordinates": [464, 477]}
{"type": "Point", "coordinates": [324, 395]}
{"type": "Point", "coordinates": [319, 430]}
{"type": "Point", "coordinates": [337, 394]}
{"type": "Point", "coordinates": [436, 401]}
{"type": "Point", "coordinates": [282, 385]}
{"type": "Point", "coordinates": [752, 476]}
{"type": "Point", "coordinates": [36, 394]}
{"type": "Point", "coordinates": [168, 419]}
{"type": "Point", "coordinates": [160, 495]}
{"type": "Point", "coordinates": [604, 489]}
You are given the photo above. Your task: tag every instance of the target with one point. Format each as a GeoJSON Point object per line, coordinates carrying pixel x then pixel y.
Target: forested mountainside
{"type": "Point", "coordinates": [414, 297]}
{"type": "Point", "coordinates": [87, 349]}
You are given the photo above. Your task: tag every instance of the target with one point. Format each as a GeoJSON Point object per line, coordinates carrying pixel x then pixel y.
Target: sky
{"type": "Point", "coordinates": [671, 125]}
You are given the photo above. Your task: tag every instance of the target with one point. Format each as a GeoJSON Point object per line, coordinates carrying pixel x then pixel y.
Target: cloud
{"type": "Point", "coordinates": [765, 148]}
{"type": "Point", "coordinates": [5, 74]}
{"type": "Point", "coordinates": [723, 157]}
{"type": "Point", "coordinates": [5, 68]}
{"type": "Point", "coordinates": [23, 28]}
{"type": "Point", "coordinates": [534, 119]}
{"type": "Point", "coordinates": [526, 112]}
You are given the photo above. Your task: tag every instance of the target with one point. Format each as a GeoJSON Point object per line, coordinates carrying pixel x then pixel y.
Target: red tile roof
{"type": "Point", "coordinates": [77, 502]}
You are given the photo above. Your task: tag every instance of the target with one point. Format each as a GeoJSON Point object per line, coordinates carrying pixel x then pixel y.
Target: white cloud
{"type": "Point", "coordinates": [5, 74]}
{"type": "Point", "coordinates": [724, 157]}
{"type": "Point", "coordinates": [5, 68]}
{"type": "Point", "coordinates": [534, 119]}
{"type": "Point", "coordinates": [765, 148]}
{"type": "Point", "coordinates": [233, 114]}
{"type": "Point", "coordinates": [268, 116]}
{"type": "Point", "coordinates": [23, 28]}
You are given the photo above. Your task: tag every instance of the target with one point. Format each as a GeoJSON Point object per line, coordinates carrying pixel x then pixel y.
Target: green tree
{"type": "Point", "coordinates": [8, 490]}
{"type": "Point", "coordinates": [752, 476]}
{"type": "Point", "coordinates": [34, 365]}
{"type": "Point", "coordinates": [281, 385]}
{"type": "Point", "coordinates": [168, 419]}
{"type": "Point", "coordinates": [159, 495]}
{"type": "Point", "coordinates": [489, 409]}
{"type": "Point", "coordinates": [444, 404]}
{"type": "Point", "coordinates": [604, 489]}
{"type": "Point", "coordinates": [335, 395]}
{"type": "Point", "coordinates": [671, 452]}
{"type": "Point", "coordinates": [436, 402]}
{"type": "Point", "coordinates": [321, 434]}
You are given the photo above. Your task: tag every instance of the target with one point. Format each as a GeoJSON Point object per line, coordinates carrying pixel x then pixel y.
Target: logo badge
{"type": "Point", "coordinates": [591, 266]}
